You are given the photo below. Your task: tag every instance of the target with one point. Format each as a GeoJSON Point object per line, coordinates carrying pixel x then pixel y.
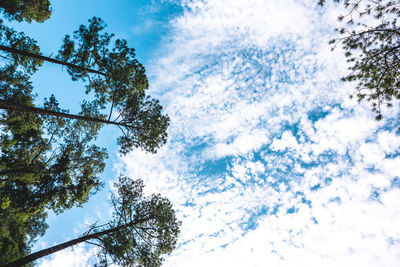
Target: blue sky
{"type": "Point", "coordinates": [268, 161]}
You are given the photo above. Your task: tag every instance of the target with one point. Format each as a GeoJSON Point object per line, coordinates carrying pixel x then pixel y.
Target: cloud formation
{"type": "Point", "coordinates": [268, 159]}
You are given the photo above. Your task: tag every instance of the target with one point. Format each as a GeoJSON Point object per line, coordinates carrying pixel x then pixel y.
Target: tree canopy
{"type": "Point", "coordinates": [141, 231]}
{"type": "Point", "coordinates": [119, 84]}
{"type": "Point", "coordinates": [372, 49]}
{"type": "Point", "coordinates": [122, 84]}
{"type": "Point", "coordinates": [26, 10]}
{"type": "Point", "coordinates": [52, 157]}
{"type": "Point", "coordinates": [13, 39]}
{"type": "Point", "coordinates": [45, 164]}
{"type": "Point", "coordinates": [48, 159]}
{"type": "Point", "coordinates": [148, 227]}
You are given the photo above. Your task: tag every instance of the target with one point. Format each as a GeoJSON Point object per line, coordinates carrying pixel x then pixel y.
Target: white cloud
{"type": "Point", "coordinates": [243, 93]}
{"type": "Point", "coordinates": [78, 256]}
{"type": "Point", "coordinates": [287, 140]}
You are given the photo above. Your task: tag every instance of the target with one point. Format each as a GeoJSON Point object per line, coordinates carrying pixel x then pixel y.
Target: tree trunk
{"type": "Point", "coordinates": [45, 252]}
{"type": "Point", "coordinates": [48, 59]}
{"type": "Point", "coordinates": [6, 105]}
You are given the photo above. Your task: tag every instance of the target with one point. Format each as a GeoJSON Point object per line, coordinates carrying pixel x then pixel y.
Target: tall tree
{"type": "Point", "coordinates": [139, 119]}
{"type": "Point", "coordinates": [18, 232]}
{"type": "Point", "coordinates": [119, 83]}
{"type": "Point", "coordinates": [49, 162]}
{"type": "Point", "coordinates": [58, 170]}
{"type": "Point", "coordinates": [26, 10]}
{"type": "Point", "coordinates": [371, 40]}
{"type": "Point", "coordinates": [45, 164]}
{"type": "Point", "coordinates": [12, 39]}
{"type": "Point", "coordinates": [141, 231]}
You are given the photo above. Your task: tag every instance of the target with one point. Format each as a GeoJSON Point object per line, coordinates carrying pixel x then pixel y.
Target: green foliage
{"type": "Point", "coordinates": [45, 163]}
{"type": "Point", "coordinates": [140, 232]}
{"type": "Point", "coordinates": [145, 228]}
{"type": "Point", "coordinates": [26, 10]}
{"type": "Point", "coordinates": [86, 48]}
{"type": "Point", "coordinates": [122, 86]}
{"type": "Point", "coordinates": [372, 50]}
{"type": "Point", "coordinates": [17, 232]}
{"type": "Point", "coordinates": [11, 38]}
{"type": "Point", "coordinates": [49, 162]}
{"type": "Point", "coordinates": [120, 82]}
{"type": "Point", "coordinates": [146, 126]}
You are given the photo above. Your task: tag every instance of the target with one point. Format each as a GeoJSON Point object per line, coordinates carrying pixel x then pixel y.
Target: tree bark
{"type": "Point", "coordinates": [8, 106]}
{"type": "Point", "coordinates": [45, 252]}
{"type": "Point", "coordinates": [48, 59]}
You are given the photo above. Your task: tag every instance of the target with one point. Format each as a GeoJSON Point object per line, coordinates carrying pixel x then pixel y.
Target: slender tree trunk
{"type": "Point", "coordinates": [48, 59]}
{"type": "Point", "coordinates": [6, 105]}
{"type": "Point", "coordinates": [45, 252]}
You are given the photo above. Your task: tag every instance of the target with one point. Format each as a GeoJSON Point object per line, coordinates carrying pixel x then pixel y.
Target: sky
{"type": "Point", "coordinates": [268, 161]}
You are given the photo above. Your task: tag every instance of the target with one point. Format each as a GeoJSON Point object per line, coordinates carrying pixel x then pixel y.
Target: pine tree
{"type": "Point", "coordinates": [370, 38]}
{"type": "Point", "coordinates": [45, 164]}
{"type": "Point", "coordinates": [120, 83]}
{"type": "Point", "coordinates": [141, 231]}
{"type": "Point", "coordinates": [26, 10]}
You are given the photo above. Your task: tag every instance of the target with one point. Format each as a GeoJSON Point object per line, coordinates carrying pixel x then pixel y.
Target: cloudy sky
{"type": "Point", "coordinates": [268, 163]}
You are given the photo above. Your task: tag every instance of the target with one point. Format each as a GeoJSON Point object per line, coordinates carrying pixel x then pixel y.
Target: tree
{"type": "Point", "coordinates": [57, 172]}
{"type": "Point", "coordinates": [141, 231]}
{"type": "Point", "coordinates": [27, 55]}
{"type": "Point", "coordinates": [18, 232]}
{"type": "Point", "coordinates": [120, 82]}
{"type": "Point", "coordinates": [373, 49]}
{"type": "Point", "coordinates": [139, 119]}
{"type": "Point", "coordinates": [45, 164]}
{"type": "Point", "coordinates": [28, 10]}
{"type": "Point", "coordinates": [47, 159]}
{"type": "Point", "coordinates": [12, 39]}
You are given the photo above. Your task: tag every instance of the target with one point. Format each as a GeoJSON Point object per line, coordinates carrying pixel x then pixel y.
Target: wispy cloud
{"type": "Point", "coordinates": [79, 256]}
{"type": "Point", "coordinates": [268, 159]}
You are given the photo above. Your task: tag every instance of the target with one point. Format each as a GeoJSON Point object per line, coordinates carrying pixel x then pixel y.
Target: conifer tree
{"type": "Point", "coordinates": [141, 231]}
{"type": "Point", "coordinates": [26, 10]}
{"type": "Point", "coordinates": [119, 84]}
{"type": "Point", "coordinates": [371, 40]}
